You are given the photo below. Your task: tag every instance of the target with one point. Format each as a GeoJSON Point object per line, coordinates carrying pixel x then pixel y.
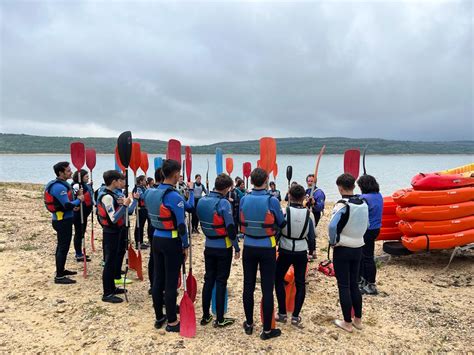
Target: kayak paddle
{"type": "Point", "coordinates": [289, 175]}
{"type": "Point", "coordinates": [144, 163]}
{"type": "Point", "coordinates": [124, 150]}
{"type": "Point", "coordinates": [316, 169]}
{"type": "Point", "coordinates": [158, 162]}
{"type": "Point", "coordinates": [90, 162]}
{"type": "Point", "coordinates": [118, 164]}
{"type": "Point", "coordinates": [78, 158]}
{"type": "Point", "coordinates": [352, 162]}
{"type": "Point", "coordinates": [247, 170]}
{"type": "Point", "coordinates": [187, 314]}
{"type": "Point", "coordinates": [135, 164]}
{"type": "Point", "coordinates": [191, 283]}
{"type": "Point", "coordinates": [229, 165]}
{"type": "Point", "coordinates": [363, 159]}
{"type": "Point", "coordinates": [267, 153]}
{"type": "Point", "coordinates": [207, 176]}
{"type": "Point", "coordinates": [275, 171]}
{"type": "Point", "coordinates": [219, 164]}
{"type": "Point", "coordinates": [174, 150]}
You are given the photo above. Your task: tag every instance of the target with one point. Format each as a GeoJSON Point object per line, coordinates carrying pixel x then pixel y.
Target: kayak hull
{"type": "Point", "coordinates": [415, 228]}
{"type": "Point", "coordinates": [436, 213]}
{"type": "Point", "coordinates": [468, 168]}
{"type": "Point", "coordinates": [411, 197]}
{"type": "Point", "coordinates": [389, 206]}
{"type": "Point", "coordinates": [438, 241]}
{"type": "Point", "coordinates": [440, 182]}
{"type": "Point", "coordinates": [391, 233]}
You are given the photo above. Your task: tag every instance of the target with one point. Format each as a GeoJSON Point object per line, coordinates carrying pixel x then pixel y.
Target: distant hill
{"type": "Point", "coordinates": [26, 144]}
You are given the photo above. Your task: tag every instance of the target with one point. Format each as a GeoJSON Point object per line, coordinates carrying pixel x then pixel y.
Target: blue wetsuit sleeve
{"type": "Point", "coordinates": [175, 202]}
{"type": "Point", "coordinates": [311, 237]}
{"type": "Point", "coordinates": [132, 207]}
{"type": "Point", "coordinates": [333, 224]}
{"type": "Point", "coordinates": [189, 204]}
{"type": "Point", "coordinates": [59, 191]}
{"type": "Point", "coordinates": [319, 199]}
{"type": "Point", "coordinates": [225, 210]}
{"type": "Point", "coordinates": [276, 210]}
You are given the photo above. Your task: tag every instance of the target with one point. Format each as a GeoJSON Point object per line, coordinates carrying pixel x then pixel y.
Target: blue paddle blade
{"type": "Point", "coordinates": [213, 301]}
{"type": "Point", "coordinates": [219, 161]}
{"type": "Point", "coordinates": [117, 166]}
{"type": "Point", "coordinates": [158, 162]}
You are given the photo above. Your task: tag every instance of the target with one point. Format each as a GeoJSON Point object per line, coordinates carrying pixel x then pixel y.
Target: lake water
{"type": "Point", "coordinates": [392, 171]}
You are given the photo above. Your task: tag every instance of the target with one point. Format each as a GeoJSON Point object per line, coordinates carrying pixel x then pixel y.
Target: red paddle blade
{"type": "Point", "coordinates": [136, 158]}
{"type": "Point", "coordinates": [352, 162]}
{"type": "Point", "coordinates": [92, 241]}
{"type": "Point", "coordinates": [132, 258]}
{"type": "Point", "coordinates": [191, 286]}
{"type": "Point", "coordinates": [290, 293]}
{"type": "Point", "coordinates": [229, 165]}
{"type": "Point", "coordinates": [174, 150]}
{"type": "Point", "coordinates": [78, 154]}
{"type": "Point", "coordinates": [139, 268]}
{"type": "Point", "coordinates": [117, 159]}
{"type": "Point", "coordinates": [144, 163]}
{"type": "Point", "coordinates": [189, 162]}
{"type": "Point", "coordinates": [275, 171]}
{"type": "Point", "coordinates": [261, 315]}
{"type": "Point", "coordinates": [179, 281]}
{"type": "Point", "coordinates": [247, 169]}
{"type": "Point", "coordinates": [187, 317]}
{"type": "Point", "coordinates": [90, 158]}
{"type": "Point", "coordinates": [321, 152]}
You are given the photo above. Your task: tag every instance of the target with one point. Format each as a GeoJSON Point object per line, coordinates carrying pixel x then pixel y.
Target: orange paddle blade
{"type": "Point", "coordinates": [138, 265]}
{"type": "Point", "coordinates": [261, 315]}
{"type": "Point", "coordinates": [275, 171]}
{"type": "Point", "coordinates": [132, 257]}
{"type": "Point", "coordinates": [136, 158]}
{"type": "Point", "coordinates": [267, 153]}
{"type": "Point", "coordinates": [321, 152]}
{"type": "Point", "coordinates": [229, 165]}
{"type": "Point", "coordinates": [144, 163]}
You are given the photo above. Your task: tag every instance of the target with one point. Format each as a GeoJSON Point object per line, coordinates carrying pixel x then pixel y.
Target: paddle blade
{"type": "Point", "coordinates": [132, 258]}
{"type": "Point", "coordinates": [321, 152]}
{"type": "Point", "coordinates": [352, 162]}
{"type": "Point", "coordinates": [118, 164]}
{"type": "Point", "coordinates": [275, 171]}
{"type": "Point", "coordinates": [267, 153]}
{"type": "Point", "coordinates": [144, 163]}
{"type": "Point", "coordinates": [229, 165]}
{"type": "Point", "coordinates": [90, 158]}
{"type": "Point", "coordinates": [219, 162]}
{"type": "Point", "coordinates": [289, 173]}
{"type": "Point", "coordinates": [261, 315]}
{"type": "Point", "coordinates": [158, 162]}
{"type": "Point", "coordinates": [92, 239]}
{"type": "Point", "coordinates": [138, 265]}
{"type": "Point", "coordinates": [174, 150]}
{"type": "Point", "coordinates": [191, 286]}
{"type": "Point", "coordinates": [290, 293]}
{"type": "Point", "coordinates": [247, 169]}
{"type": "Point", "coordinates": [214, 302]}
{"type": "Point", "coordinates": [363, 159]}
{"type": "Point", "coordinates": [189, 162]}
{"type": "Point", "coordinates": [136, 158]}
{"type": "Point", "coordinates": [124, 144]}
{"type": "Point", "coordinates": [78, 154]}
{"type": "Point", "coordinates": [187, 317]}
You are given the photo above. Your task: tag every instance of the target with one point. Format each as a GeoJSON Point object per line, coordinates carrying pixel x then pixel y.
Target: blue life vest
{"type": "Point", "coordinates": [212, 224]}
{"type": "Point", "coordinates": [256, 219]}
{"type": "Point", "coordinates": [161, 217]}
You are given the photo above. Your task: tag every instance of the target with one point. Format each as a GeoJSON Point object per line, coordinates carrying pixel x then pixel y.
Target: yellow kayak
{"type": "Point", "coordinates": [465, 169]}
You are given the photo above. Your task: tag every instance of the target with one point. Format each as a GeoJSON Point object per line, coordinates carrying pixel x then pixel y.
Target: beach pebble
{"type": "Point", "coordinates": [434, 310]}
{"type": "Point", "coordinates": [335, 336]}
{"type": "Point", "coordinates": [61, 310]}
{"type": "Point", "coordinates": [58, 301]}
{"type": "Point", "coordinates": [41, 298]}
{"type": "Point", "coordinates": [161, 332]}
{"type": "Point", "coordinates": [2, 310]}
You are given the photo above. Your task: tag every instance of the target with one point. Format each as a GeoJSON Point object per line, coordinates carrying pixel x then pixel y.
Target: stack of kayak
{"type": "Point", "coordinates": [390, 220]}
{"type": "Point", "coordinates": [438, 212]}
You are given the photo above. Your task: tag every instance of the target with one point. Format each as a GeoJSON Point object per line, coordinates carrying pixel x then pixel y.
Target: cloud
{"type": "Point", "coordinates": [214, 71]}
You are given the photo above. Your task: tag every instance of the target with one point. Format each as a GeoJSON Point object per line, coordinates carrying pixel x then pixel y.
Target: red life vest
{"type": "Point", "coordinates": [52, 203]}
{"type": "Point", "coordinates": [103, 216]}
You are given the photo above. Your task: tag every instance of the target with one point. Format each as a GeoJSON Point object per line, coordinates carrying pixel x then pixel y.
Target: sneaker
{"type": "Point", "coordinates": [120, 282]}
{"type": "Point", "coordinates": [226, 322]}
{"type": "Point", "coordinates": [80, 258]}
{"type": "Point", "coordinates": [248, 328]}
{"type": "Point", "coordinates": [144, 246]}
{"type": "Point", "coordinates": [69, 273]}
{"type": "Point", "coordinates": [370, 289]}
{"type": "Point", "coordinates": [362, 283]}
{"type": "Point", "coordinates": [63, 280]}
{"type": "Point", "coordinates": [271, 334]}
{"type": "Point", "coordinates": [172, 328]}
{"type": "Point", "coordinates": [297, 322]}
{"type": "Point", "coordinates": [120, 291]}
{"type": "Point", "coordinates": [281, 318]}
{"type": "Point", "coordinates": [112, 299]}
{"type": "Point", "coordinates": [205, 320]}
{"type": "Point", "coordinates": [159, 322]}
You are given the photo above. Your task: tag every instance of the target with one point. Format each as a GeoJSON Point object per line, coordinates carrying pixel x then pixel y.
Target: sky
{"type": "Point", "coordinates": [207, 72]}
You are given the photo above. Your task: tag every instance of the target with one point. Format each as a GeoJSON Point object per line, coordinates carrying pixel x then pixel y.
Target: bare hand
{"type": "Point", "coordinates": [80, 198]}
{"type": "Point", "coordinates": [120, 201]}
{"type": "Point", "coordinates": [127, 201]}
{"type": "Point", "coordinates": [136, 195]}
{"type": "Point", "coordinates": [237, 255]}
{"type": "Point", "coordinates": [190, 185]}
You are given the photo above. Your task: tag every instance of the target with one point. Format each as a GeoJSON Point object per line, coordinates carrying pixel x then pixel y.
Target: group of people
{"type": "Point", "coordinates": [273, 239]}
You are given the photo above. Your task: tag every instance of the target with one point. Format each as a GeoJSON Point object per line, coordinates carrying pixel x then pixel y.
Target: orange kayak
{"type": "Point", "coordinates": [391, 233]}
{"type": "Point", "coordinates": [438, 241]}
{"type": "Point", "coordinates": [411, 197]}
{"type": "Point", "coordinates": [390, 221]}
{"type": "Point", "coordinates": [389, 206]}
{"type": "Point", "coordinates": [436, 213]}
{"type": "Point", "coordinates": [415, 228]}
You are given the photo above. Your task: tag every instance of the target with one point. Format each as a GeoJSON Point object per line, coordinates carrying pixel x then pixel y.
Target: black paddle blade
{"type": "Point", "coordinates": [124, 144]}
{"type": "Point", "coordinates": [289, 173]}
{"type": "Point", "coordinates": [363, 159]}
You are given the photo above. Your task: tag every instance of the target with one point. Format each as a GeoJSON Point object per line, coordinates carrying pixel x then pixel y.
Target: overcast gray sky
{"type": "Point", "coordinates": [214, 71]}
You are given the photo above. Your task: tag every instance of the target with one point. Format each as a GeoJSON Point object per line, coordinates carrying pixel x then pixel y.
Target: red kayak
{"type": "Point", "coordinates": [440, 182]}
{"type": "Point", "coordinates": [390, 221]}
{"type": "Point", "coordinates": [389, 206]}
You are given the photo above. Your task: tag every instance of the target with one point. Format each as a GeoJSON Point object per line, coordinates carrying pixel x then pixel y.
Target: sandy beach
{"type": "Point", "coordinates": [420, 308]}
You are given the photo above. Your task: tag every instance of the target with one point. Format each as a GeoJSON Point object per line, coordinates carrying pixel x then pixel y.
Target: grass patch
{"type": "Point", "coordinates": [33, 236]}
{"type": "Point", "coordinates": [28, 247]}
{"type": "Point", "coordinates": [97, 311]}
